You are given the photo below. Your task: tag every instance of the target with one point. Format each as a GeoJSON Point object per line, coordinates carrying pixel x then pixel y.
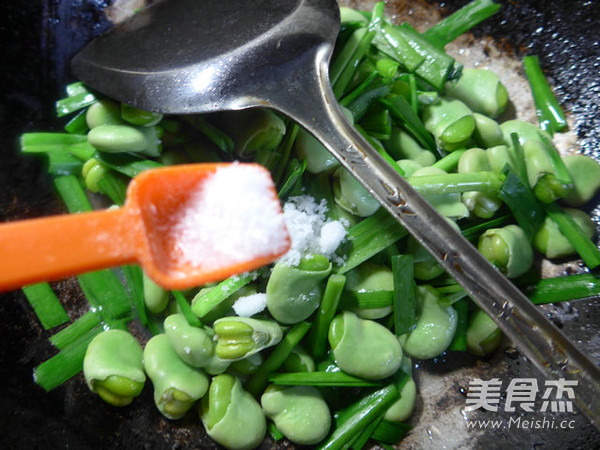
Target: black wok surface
{"type": "Point", "coordinates": [38, 39]}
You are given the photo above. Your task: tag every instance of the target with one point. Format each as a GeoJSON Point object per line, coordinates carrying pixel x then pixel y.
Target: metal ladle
{"type": "Point", "coordinates": [191, 56]}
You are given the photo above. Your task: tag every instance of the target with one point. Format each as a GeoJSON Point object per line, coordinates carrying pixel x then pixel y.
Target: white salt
{"type": "Point", "coordinates": [310, 230]}
{"type": "Point", "coordinates": [331, 235]}
{"type": "Point", "coordinates": [250, 305]}
{"type": "Point", "coordinates": [233, 216]}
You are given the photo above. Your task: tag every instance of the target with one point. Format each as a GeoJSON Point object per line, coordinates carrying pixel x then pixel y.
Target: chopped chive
{"type": "Point", "coordinates": [344, 65]}
{"type": "Point", "coordinates": [451, 27]}
{"type": "Point", "coordinates": [390, 41]}
{"type": "Point", "coordinates": [518, 196]}
{"type": "Point", "coordinates": [106, 293]}
{"type": "Point", "coordinates": [72, 194]}
{"type": "Point", "coordinates": [285, 150]}
{"type": "Point", "coordinates": [76, 331]}
{"type": "Point", "coordinates": [361, 439]}
{"type": "Point", "coordinates": [214, 134]}
{"type": "Point", "coordinates": [561, 289]}
{"type": "Point", "coordinates": [319, 379]}
{"type": "Point", "coordinates": [367, 299]}
{"type": "Point", "coordinates": [75, 88]}
{"type": "Point", "coordinates": [377, 121]}
{"type": "Point", "coordinates": [403, 112]}
{"type": "Point", "coordinates": [317, 337]}
{"type": "Point", "coordinates": [560, 170]}
{"type": "Point", "coordinates": [520, 166]}
{"type": "Point", "coordinates": [359, 106]}
{"type": "Point", "coordinates": [205, 301]}
{"type": "Point", "coordinates": [45, 142]}
{"type": "Point", "coordinates": [259, 380]}
{"type": "Point", "coordinates": [368, 237]}
{"type": "Point", "coordinates": [364, 86]}
{"type": "Point", "coordinates": [78, 124]}
{"type": "Point", "coordinates": [74, 103]}
{"type": "Point", "coordinates": [186, 309]}
{"type": "Point", "coordinates": [449, 162]}
{"type": "Point", "coordinates": [61, 162]}
{"type": "Point", "coordinates": [582, 244]}
{"type": "Point", "coordinates": [274, 432]}
{"type": "Point", "coordinates": [292, 179]}
{"type": "Point", "coordinates": [475, 230]}
{"type": "Point", "coordinates": [390, 432]}
{"type": "Point", "coordinates": [437, 67]}
{"type": "Point", "coordinates": [452, 183]}
{"type": "Point", "coordinates": [550, 115]}
{"type": "Point", "coordinates": [459, 342]}
{"type": "Point", "coordinates": [357, 416]}
{"type": "Point", "coordinates": [46, 305]}
{"type": "Point", "coordinates": [114, 187]}
{"type": "Point", "coordinates": [62, 366]}
{"type": "Point", "coordinates": [82, 150]}
{"type": "Point", "coordinates": [126, 163]}
{"type": "Point", "coordinates": [405, 301]}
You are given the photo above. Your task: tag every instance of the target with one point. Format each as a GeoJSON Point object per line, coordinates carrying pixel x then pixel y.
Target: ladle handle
{"type": "Point", "coordinates": [527, 327]}
{"type": "Point", "coordinates": [54, 247]}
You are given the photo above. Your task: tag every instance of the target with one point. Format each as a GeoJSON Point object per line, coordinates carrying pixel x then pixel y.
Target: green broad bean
{"type": "Point", "coordinates": [369, 284]}
{"type": "Point", "coordinates": [483, 335]}
{"type": "Point", "coordinates": [318, 158]}
{"type": "Point", "coordinates": [552, 243]}
{"type": "Point", "coordinates": [298, 412]}
{"type": "Point", "coordinates": [499, 156]}
{"type": "Point", "coordinates": [299, 361]}
{"type": "Point", "coordinates": [294, 293]}
{"type": "Point", "coordinates": [585, 172]}
{"type": "Point", "coordinates": [448, 205]}
{"type": "Point", "coordinates": [525, 131]}
{"type": "Point", "coordinates": [93, 171]}
{"type": "Point", "coordinates": [253, 130]}
{"type": "Point", "coordinates": [240, 337]}
{"type": "Point", "coordinates": [363, 347]}
{"type": "Point", "coordinates": [156, 298]}
{"type": "Point", "coordinates": [112, 367]}
{"type": "Point", "coordinates": [481, 90]}
{"type": "Point", "coordinates": [402, 408]}
{"type": "Point", "coordinates": [487, 131]}
{"type": "Point", "coordinates": [125, 138]}
{"type": "Point", "coordinates": [541, 173]}
{"type": "Point", "coordinates": [103, 112]}
{"type": "Point", "coordinates": [231, 416]}
{"type": "Point", "coordinates": [401, 145]}
{"type": "Point", "coordinates": [139, 117]}
{"type": "Point", "coordinates": [192, 344]}
{"type": "Point", "coordinates": [408, 166]}
{"type": "Point", "coordinates": [247, 366]}
{"type": "Point", "coordinates": [481, 204]}
{"type": "Point", "coordinates": [352, 196]}
{"type": "Point", "coordinates": [177, 386]}
{"type": "Point", "coordinates": [435, 326]}
{"type": "Point", "coordinates": [450, 121]}
{"type": "Point", "coordinates": [508, 249]}
{"type": "Point", "coordinates": [474, 160]}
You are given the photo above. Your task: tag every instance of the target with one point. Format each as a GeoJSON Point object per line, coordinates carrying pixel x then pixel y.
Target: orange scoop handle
{"type": "Point", "coordinates": [50, 248]}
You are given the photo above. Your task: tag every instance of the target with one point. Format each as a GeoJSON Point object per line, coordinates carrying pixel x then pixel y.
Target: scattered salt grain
{"type": "Point", "coordinates": [250, 305]}
{"type": "Point", "coordinates": [310, 230]}
{"type": "Point", "coordinates": [232, 217]}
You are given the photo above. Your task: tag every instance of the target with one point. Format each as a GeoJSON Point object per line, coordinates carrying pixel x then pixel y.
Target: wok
{"type": "Point", "coordinates": [40, 37]}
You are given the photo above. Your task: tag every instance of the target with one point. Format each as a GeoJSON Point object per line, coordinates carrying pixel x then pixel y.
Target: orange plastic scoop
{"type": "Point", "coordinates": [186, 225]}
